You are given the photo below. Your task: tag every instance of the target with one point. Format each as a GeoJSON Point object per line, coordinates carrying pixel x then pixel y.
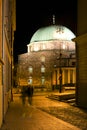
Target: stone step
{"type": "Point", "coordinates": [62, 96]}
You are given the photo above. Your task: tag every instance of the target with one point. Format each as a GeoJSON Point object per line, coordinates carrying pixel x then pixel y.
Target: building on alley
{"type": "Point", "coordinates": [7, 30]}
{"type": "Point", "coordinates": [81, 52]}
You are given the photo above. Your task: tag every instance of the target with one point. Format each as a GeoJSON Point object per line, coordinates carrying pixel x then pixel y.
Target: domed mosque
{"type": "Point", "coordinates": [50, 61]}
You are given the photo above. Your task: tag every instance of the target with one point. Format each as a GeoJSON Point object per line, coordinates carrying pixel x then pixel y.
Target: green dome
{"type": "Point", "coordinates": [52, 32]}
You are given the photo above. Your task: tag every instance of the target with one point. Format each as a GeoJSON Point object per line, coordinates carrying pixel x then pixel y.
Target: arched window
{"type": "Point", "coordinates": [43, 59]}
{"type": "Point", "coordinates": [42, 69]}
{"type": "Point", "coordinates": [30, 69]}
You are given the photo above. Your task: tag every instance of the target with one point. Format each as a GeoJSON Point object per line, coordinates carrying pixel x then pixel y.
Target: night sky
{"type": "Point", "coordinates": [31, 16]}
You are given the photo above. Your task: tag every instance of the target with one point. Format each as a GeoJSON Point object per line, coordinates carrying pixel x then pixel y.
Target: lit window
{"type": "Point", "coordinates": [64, 46]}
{"type": "Point", "coordinates": [42, 69]}
{"type": "Point", "coordinates": [43, 80]}
{"type": "Point", "coordinates": [43, 59]}
{"type": "Point", "coordinates": [30, 69]}
{"type": "Point", "coordinates": [43, 47]}
{"type": "Point", "coordinates": [36, 48]}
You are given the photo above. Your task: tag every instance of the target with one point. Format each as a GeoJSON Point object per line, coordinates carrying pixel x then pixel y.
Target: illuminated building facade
{"type": "Point", "coordinates": [81, 51]}
{"type": "Point", "coordinates": [7, 29]}
{"type": "Point", "coordinates": [50, 54]}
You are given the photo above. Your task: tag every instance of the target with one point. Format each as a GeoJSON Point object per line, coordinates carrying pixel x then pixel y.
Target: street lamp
{"type": "Point", "coordinates": [60, 74]}
{"type": "Point", "coordinates": [58, 34]}
{"type": "Point", "coordinates": [55, 66]}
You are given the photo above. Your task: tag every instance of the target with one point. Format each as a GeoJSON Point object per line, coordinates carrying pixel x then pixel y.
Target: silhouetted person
{"type": "Point", "coordinates": [30, 93]}
{"type": "Point", "coordinates": [27, 92]}
{"type": "Point", "coordinates": [24, 94]}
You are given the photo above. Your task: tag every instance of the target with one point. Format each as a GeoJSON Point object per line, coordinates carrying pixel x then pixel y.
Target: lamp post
{"type": "Point", "coordinates": [60, 74]}
{"type": "Point", "coordinates": [57, 34]}
{"type": "Point", "coordinates": [55, 66]}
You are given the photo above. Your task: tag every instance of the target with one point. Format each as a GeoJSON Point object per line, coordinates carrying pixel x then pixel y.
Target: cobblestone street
{"type": "Point", "coordinates": [68, 113]}
{"type": "Point", "coordinates": [62, 110]}
{"type": "Point", "coordinates": [60, 115]}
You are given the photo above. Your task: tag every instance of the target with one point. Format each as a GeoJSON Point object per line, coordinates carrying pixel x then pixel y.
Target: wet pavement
{"type": "Point", "coordinates": [41, 115]}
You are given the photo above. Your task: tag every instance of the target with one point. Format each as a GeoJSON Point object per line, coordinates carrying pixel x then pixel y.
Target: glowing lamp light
{"type": "Point", "coordinates": [30, 80]}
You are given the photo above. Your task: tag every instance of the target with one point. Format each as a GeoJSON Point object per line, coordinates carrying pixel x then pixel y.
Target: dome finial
{"type": "Point", "coordinates": [53, 19]}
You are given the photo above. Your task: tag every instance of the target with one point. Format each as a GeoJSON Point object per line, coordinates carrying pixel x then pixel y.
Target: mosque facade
{"type": "Point", "coordinates": [50, 61]}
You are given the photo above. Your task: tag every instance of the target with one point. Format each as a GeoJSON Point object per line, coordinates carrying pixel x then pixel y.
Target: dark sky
{"type": "Point", "coordinates": [31, 16]}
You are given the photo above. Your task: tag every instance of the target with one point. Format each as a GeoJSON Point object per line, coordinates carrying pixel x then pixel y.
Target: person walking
{"type": "Point", "coordinates": [30, 93]}
{"type": "Point", "coordinates": [24, 94]}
